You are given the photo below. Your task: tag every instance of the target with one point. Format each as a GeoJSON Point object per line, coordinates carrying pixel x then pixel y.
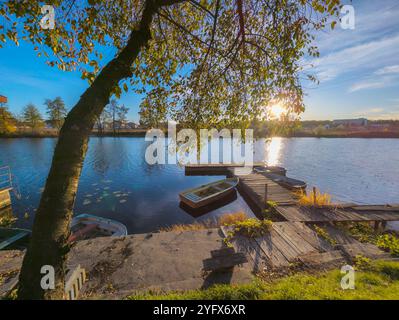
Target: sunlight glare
{"type": "Point", "coordinates": [273, 151]}
{"type": "Point", "coordinates": [277, 110]}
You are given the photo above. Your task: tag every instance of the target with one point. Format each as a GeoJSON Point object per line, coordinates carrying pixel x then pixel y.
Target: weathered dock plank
{"type": "Point", "coordinates": [323, 258]}
{"type": "Point", "coordinates": [281, 246]}
{"type": "Point", "coordinates": [293, 238]}
{"type": "Point", "coordinates": [309, 235]}
{"type": "Point", "coordinates": [363, 249]}
{"type": "Point", "coordinates": [307, 214]}
{"type": "Point", "coordinates": [212, 168]}
{"type": "Point", "coordinates": [254, 186]}
{"type": "Point", "coordinates": [272, 254]}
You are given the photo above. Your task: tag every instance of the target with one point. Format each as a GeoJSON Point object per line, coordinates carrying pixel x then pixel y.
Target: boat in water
{"type": "Point", "coordinates": [14, 238]}
{"type": "Point", "coordinates": [208, 193]}
{"type": "Point", "coordinates": [86, 226]}
{"type": "Point", "coordinates": [271, 169]}
{"type": "Point", "coordinates": [198, 212]}
{"type": "Point", "coordinates": [289, 183]}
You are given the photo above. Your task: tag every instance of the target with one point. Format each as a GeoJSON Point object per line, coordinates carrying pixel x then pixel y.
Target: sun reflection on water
{"type": "Point", "coordinates": [273, 151]}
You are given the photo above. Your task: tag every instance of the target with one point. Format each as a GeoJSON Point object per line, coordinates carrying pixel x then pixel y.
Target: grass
{"type": "Point", "coordinates": [378, 281]}
{"type": "Point", "coordinates": [252, 228]}
{"type": "Point", "coordinates": [325, 235]}
{"type": "Point", "coordinates": [224, 220]}
{"type": "Point", "coordinates": [390, 243]}
{"type": "Point", "coordinates": [189, 227]}
{"type": "Point", "coordinates": [232, 218]}
{"type": "Point", "coordinates": [7, 219]}
{"type": "Point", "coordinates": [314, 198]}
{"type": "Point", "coordinates": [363, 232]}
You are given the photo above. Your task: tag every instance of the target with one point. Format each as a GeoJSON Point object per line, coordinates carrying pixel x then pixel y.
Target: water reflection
{"type": "Point", "coordinates": [195, 213]}
{"type": "Point", "coordinates": [117, 183]}
{"type": "Point", "coordinates": [273, 151]}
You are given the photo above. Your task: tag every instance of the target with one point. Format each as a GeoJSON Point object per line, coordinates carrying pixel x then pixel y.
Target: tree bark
{"type": "Point", "coordinates": [51, 227]}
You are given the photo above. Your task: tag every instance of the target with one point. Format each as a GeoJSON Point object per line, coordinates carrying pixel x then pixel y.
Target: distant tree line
{"type": "Point", "coordinates": [113, 114]}
{"type": "Point", "coordinates": [56, 111]}
{"type": "Point", "coordinates": [32, 118]}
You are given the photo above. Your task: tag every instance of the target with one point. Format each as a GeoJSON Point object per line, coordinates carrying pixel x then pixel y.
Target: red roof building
{"type": "Point", "coordinates": [3, 99]}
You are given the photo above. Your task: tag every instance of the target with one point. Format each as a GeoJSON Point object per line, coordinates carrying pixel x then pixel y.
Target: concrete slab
{"type": "Point", "coordinates": [156, 261]}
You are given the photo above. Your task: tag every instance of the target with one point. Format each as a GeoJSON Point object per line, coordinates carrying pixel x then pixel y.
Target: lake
{"type": "Point", "coordinates": [117, 182]}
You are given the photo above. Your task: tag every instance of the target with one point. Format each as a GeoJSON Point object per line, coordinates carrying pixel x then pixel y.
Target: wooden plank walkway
{"type": "Point", "coordinates": [291, 242]}
{"type": "Point", "coordinates": [213, 169]}
{"type": "Point", "coordinates": [254, 187]}
{"type": "Point", "coordinates": [347, 214]}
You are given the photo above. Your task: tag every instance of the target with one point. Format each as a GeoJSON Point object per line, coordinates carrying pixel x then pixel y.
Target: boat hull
{"type": "Point", "coordinates": [209, 193]}
{"type": "Point", "coordinates": [87, 226]}
{"type": "Point", "coordinates": [205, 202]}
{"type": "Point", "coordinates": [289, 183]}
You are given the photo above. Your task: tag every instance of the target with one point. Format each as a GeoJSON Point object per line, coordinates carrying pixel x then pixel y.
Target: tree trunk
{"type": "Point", "coordinates": [51, 227]}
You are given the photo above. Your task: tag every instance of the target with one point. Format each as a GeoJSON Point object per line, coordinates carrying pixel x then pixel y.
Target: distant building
{"type": "Point", "coordinates": [3, 99]}
{"type": "Point", "coordinates": [131, 125]}
{"type": "Point", "coordinates": [48, 124]}
{"type": "Point", "coordinates": [361, 122]}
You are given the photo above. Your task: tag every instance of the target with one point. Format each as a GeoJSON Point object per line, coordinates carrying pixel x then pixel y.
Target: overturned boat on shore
{"type": "Point", "coordinates": [86, 226]}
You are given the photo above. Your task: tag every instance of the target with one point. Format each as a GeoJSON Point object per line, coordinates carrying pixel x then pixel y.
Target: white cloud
{"type": "Point", "coordinates": [370, 55]}
{"type": "Point", "coordinates": [370, 84]}
{"type": "Point", "coordinates": [378, 113]}
{"type": "Point", "coordinates": [373, 21]}
{"type": "Point", "coordinates": [388, 70]}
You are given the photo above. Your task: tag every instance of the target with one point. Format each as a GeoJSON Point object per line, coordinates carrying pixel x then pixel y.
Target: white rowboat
{"type": "Point", "coordinates": [86, 226]}
{"type": "Point", "coordinates": [208, 193]}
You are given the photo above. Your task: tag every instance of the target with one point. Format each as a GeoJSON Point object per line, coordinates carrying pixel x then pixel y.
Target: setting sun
{"type": "Point", "coordinates": [277, 110]}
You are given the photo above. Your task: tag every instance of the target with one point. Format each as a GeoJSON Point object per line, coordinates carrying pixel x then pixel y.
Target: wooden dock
{"type": "Point", "coordinates": [260, 189]}
{"type": "Point", "coordinates": [216, 169]}
{"type": "Point", "coordinates": [288, 243]}
{"type": "Point", "coordinates": [356, 213]}
{"type": "Point", "coordinates": [295, 239]}
{"type": "Point", "coordinates": [257, 190]}
{"type": "Point", "coordinates": [5, 198]}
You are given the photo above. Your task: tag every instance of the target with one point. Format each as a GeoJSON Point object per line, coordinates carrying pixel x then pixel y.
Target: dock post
{"type": "Point", "coordinates": [314, 196]}
{"type": "Point", "coordinates": [265, 195]}
{"type": "Point", "coordinates": [376, 226]}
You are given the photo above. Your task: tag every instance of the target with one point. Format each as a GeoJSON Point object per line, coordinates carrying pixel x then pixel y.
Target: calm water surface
{"type": "Point", "coordinates": [117, 183]}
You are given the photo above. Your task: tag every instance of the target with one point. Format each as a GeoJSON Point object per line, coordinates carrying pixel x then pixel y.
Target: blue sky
{"type": "Point", "coordinates": [358, 71]}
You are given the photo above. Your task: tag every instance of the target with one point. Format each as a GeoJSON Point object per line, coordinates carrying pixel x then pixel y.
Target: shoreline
{"type": "Point", "coordinates": [142, 133]}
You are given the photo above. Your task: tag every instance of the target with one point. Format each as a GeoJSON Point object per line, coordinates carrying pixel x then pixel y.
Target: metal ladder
{"type": "Point", "coordinates": [8, 181]}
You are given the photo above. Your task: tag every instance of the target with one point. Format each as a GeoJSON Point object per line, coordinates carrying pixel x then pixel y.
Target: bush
{"type": "Point", "coordinates": [232, 218]}
{"type": "Point", "coordinates": [314, 198]}
{"type": "Point", "coordinates": [389, 243]}
{"type": "Point", "coordinates": [252, 228]}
